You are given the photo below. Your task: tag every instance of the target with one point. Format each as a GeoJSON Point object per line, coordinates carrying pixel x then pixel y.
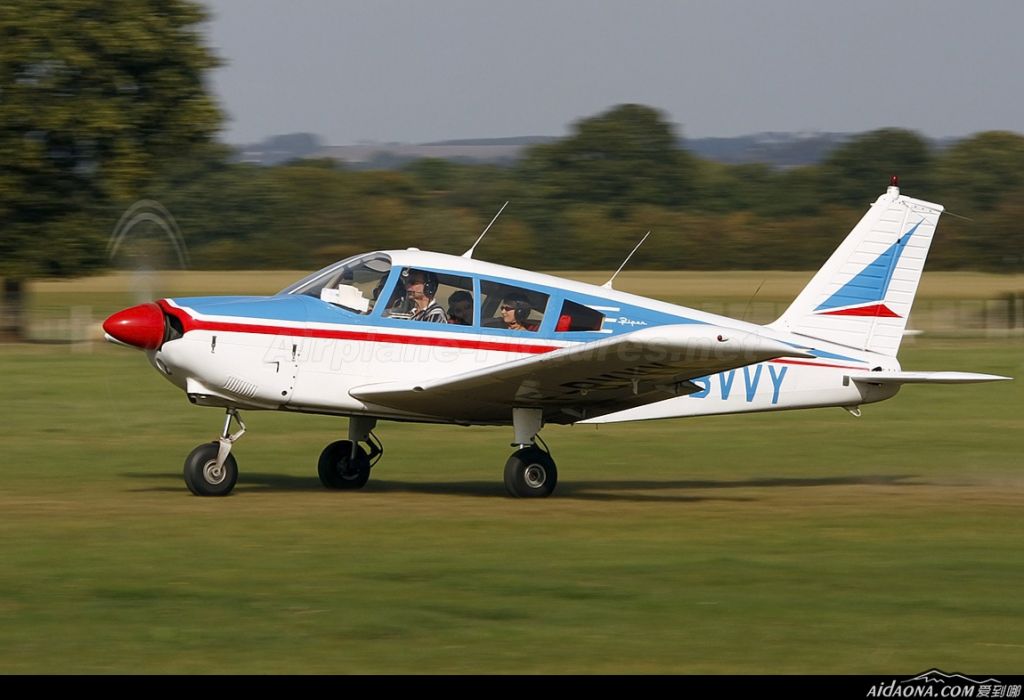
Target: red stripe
{"type": "Point", "coordinates": [873, 311]}
{"type": "Point", "coordinates": [813, 364]}
{"type": "Point", "coordinates": [189, 323]}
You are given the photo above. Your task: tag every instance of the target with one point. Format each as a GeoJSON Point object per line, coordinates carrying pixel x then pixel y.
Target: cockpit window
{"type": "Point", "coordinates": [511, 308]}
{"type": "Point", "coordinates": [434, 297]}
{"type": "Point", "coordinates": [576, 317]}
{"type": "Point", "coordinates": [353, 284]}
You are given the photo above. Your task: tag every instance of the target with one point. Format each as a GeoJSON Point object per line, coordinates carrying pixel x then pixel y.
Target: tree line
{"type": "Point", "coordinates": [103, 104]}
{"type": "Point", "coordinates": [581, 202]}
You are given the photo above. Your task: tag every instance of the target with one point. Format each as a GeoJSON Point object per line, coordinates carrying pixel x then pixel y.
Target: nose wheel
{"type": "Point", "coordinates": [204, 476]}
{"type": "Point", "coordinates": [211, 469]}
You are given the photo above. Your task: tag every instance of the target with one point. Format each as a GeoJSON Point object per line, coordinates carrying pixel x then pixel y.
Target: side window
{"type": "Point", "coordinates": [511, 307]}
{"type": "Point", "coordinates": [425, 295]}
{"type": "Point", "coordinates": [576, 317]}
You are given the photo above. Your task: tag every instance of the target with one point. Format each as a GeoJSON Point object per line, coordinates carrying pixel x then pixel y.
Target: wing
{"type": "Point", "coordinates": [586, 380]}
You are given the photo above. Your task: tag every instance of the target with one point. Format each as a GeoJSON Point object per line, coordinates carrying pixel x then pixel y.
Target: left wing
{"type": "Point", "coordinates": [586, 380]}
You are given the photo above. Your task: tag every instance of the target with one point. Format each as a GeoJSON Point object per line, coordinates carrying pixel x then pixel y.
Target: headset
{"type": "Point", "coordinates": [430, 281]}
{"type": "Point", "coordinates": [521, 305]}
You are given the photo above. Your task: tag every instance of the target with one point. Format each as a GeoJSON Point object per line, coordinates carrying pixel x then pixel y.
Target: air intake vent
{"type": "Point", "coordinates": [240, 387]}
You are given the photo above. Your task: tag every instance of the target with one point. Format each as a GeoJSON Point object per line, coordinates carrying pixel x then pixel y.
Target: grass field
{"type": "Point", "coordinates": [805, 542]}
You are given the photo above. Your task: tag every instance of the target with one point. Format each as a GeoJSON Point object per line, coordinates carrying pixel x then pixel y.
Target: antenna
{"type": "Point", "coordinates": [608, 284]}
{"type": "Point", "coordinates": [751, 300]}
{"type": "Point", "coordinates": [469, 253]}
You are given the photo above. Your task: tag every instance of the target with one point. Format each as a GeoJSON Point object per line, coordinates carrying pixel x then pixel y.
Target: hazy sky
{"type": "Point", "coordinates": [415, 71]}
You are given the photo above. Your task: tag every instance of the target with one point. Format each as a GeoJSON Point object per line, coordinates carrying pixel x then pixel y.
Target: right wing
{"type": "Point", "coordinates": [583, 381]}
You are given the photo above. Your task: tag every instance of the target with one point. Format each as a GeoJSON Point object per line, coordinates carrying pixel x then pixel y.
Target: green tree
{"type": "Point", "coordinates": [628, 155]}
{"type": "Point", "coordinates": [977, 173]}
{"type": "Point", "coordinates": [95, 96]}
{"type": "Point", "coordinates": [856, 172]}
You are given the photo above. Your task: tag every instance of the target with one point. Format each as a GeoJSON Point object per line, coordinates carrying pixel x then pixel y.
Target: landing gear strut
{"type": "Point", "coordinates": [211, 469]}
{"type": "Point", "coordinates": [530, 472]}
{"type": "Point", "coordinates": [345, 464]}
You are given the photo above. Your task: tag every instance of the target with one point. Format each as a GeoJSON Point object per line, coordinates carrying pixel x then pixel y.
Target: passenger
{"type": "Point", "coordinates": [460, 308]}
{"type": "Point", "coordinates": [515, 313]}
{"type": "Point", "coordinates": [420, 288]}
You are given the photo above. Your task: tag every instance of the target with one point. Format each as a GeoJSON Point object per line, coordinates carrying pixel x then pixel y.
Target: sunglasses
{"type": "Point", "coordinates": [507, 308]}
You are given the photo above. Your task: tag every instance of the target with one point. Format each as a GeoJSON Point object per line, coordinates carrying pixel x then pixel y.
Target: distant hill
{"type": "Point", "coordinates": [781, 150]}
{"type": "Point", "coordinates": [280, 149]}
{"type": "Point", "coordinates": [776, 149]}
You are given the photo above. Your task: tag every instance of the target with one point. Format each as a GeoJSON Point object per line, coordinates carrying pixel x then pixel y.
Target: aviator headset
{"type": "Point", "coordinates": [430, 281]}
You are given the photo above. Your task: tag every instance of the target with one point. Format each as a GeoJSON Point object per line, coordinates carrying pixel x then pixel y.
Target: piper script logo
{"type": "Point", "coordinates": [938, 684]}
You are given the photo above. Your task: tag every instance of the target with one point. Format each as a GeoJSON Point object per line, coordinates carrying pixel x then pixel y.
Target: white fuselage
{"type": "Point", "coordinates": [312, 364]}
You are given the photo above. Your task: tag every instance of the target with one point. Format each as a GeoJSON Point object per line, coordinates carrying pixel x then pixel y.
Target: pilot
{"type": "Point", "coordinates": [460, 308]}
{"type": "Point", "coordinates": [515, 313]}
{"type": "Point", "coordinates": [420, 288]}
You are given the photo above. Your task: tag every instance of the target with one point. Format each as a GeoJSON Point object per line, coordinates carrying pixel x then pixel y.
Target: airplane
{"type": "Point", "coordinates": [523, 349]}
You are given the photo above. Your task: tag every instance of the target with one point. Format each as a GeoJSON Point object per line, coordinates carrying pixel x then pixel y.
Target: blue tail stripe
{"type": "Point", "coordinates": [871, 283]}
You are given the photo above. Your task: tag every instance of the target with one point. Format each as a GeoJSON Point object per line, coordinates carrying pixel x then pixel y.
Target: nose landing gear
{"type": "Point", "coordinates": [211, 469]}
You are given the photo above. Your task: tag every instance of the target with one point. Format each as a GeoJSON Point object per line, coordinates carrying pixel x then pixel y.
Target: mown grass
{"type": "Point", "coordinates": [804, 542]}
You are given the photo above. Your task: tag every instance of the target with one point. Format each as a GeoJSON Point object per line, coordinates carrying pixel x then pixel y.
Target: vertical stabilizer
{"type": "Point", "coordinates": [862, 296]}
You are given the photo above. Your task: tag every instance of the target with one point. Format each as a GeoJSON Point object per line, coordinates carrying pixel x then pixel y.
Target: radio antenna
{"type": "Point", "coordinates": [608, 284]}
{"type": "Point", "coordinates": [751, 300]}
{"type": "Point", "coordinates": [469, 253]}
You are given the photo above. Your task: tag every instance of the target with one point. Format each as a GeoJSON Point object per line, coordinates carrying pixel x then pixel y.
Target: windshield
{"type": "Point", "coordinates": [353, 284]}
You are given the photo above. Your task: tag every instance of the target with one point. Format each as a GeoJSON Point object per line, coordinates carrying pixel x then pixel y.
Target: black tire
{"type": "Point", "coordinates": [530, 473]}
{"type": "Point", "coordinates": [202, 476]}
{"type": "Point", "coordinates": [338, 470]}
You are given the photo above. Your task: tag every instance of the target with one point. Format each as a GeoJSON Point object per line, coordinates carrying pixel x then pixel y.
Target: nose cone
{"type": "Point", "coordinates": [141, 326]}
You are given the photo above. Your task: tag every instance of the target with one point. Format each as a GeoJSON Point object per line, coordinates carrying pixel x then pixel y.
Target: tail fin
{"type": "Point", "coordinates": [862, 296]}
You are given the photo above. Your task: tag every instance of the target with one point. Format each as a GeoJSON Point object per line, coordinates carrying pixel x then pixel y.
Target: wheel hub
{"type": "Point", "coordinates": [214, 474]}
{"type": "Point", "coordinates": [535, 476]}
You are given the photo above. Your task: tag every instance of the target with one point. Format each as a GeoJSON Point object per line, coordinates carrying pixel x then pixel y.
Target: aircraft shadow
{"type": "Point", "coordinates": [586, 490]}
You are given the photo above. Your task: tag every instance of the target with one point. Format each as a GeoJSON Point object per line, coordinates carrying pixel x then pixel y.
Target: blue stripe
{"type": "Point", "coordinates": [302, 309]}
{"type": "Point", "coordinates": [872, 283]}
{"type": "Point", "coordinates": [823, 354]}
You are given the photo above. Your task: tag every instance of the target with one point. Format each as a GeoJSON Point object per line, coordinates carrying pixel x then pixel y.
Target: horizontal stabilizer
{"type": "Point", "coordinates": [925, 378]}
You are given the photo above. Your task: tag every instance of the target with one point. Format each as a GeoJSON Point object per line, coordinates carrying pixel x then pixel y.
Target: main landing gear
{"type": "Point", "coordinates": [345, 464]}
{"type": "Point", "coordinates": [530, 472]}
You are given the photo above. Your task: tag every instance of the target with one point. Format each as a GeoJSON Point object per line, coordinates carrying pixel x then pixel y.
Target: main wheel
{"type": "Point", "coordinates": [202, 475]}
{"type": "Point", "coordinates": [337, 468]}
{"type": "Point", "coordinates": [530, 473]}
